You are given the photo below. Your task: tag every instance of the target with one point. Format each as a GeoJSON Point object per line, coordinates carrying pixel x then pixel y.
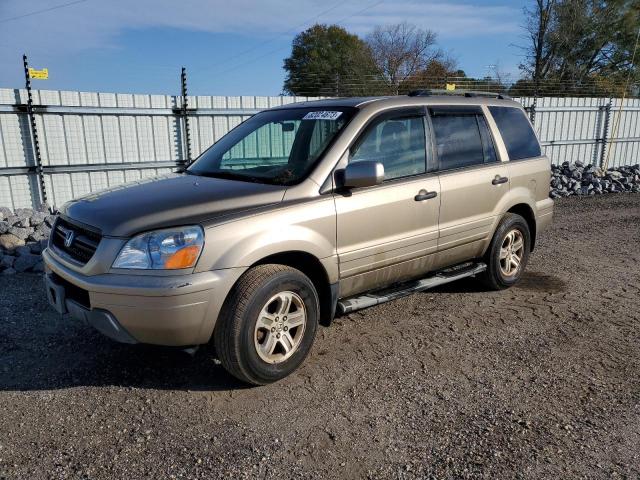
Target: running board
{"type": "Point", "coordinates": [352, 304]}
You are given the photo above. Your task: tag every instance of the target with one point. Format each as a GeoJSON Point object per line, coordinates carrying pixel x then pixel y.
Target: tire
{"type": "Point", "coordinates": [253, 317]}
{"type": "Point", "coordinates": [497, 277]}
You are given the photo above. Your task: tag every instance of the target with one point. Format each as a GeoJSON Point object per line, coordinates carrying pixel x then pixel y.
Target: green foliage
{"type": "Point", "coordinates": [580, 45]}
{"type": "Point", "coordinates": [329, 61]}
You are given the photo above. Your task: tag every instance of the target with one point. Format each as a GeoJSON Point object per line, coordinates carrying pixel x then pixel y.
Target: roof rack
{"type": "Point", "coordinates": [464, 93]}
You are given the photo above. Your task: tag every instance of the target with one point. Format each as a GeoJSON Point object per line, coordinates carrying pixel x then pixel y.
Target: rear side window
{"type": "Point", "coordinates": [516, 132]}
{"type": "Point", "coordinates": [462, 140]}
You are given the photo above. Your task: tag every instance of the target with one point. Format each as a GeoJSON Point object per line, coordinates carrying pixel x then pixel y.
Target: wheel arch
{"type": "Point", "coordinates": [313, 268]}
{"type": "Point", "coordinates": [526, 212]}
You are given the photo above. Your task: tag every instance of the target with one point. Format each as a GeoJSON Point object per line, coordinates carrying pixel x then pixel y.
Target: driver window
{"type": "Point", "coordinates": [397, 143]}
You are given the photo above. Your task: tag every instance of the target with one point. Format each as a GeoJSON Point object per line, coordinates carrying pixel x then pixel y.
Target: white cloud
{"type": "Point", "coordinates": [97, 23]}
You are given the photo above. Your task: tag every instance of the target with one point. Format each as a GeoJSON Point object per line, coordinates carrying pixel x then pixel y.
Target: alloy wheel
{"type": "Point", "coordinates": [280, 327]}
{"type": "Point", "coordinates": [511, 252]}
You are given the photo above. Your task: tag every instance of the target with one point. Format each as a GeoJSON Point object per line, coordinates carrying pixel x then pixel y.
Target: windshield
{"type": "Point", "coordinates": [277, 146]}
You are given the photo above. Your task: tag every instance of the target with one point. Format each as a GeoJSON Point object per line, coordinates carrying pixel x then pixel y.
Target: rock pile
{"type": "Point", "coordinates": [578, 179]}
{"type": "Point", "coordinates": [23, 236]}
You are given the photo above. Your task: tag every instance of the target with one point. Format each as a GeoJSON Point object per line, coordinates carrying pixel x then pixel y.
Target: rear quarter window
{"type": "Point", "coordinates": [516, 132]}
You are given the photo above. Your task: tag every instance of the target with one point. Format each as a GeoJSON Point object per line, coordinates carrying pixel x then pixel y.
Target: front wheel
{"type": "Point", "coordinates": [508, 253]}
{"type": "Point", "coordinates": [268, 324]}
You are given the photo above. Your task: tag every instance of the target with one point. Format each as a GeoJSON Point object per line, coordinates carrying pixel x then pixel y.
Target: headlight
{"type": "Point", "coordinates": [169, 249]}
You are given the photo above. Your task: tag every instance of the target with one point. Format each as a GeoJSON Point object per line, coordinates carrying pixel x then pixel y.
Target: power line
{"type": "Point", "coordinates": [44, 10]}
{"type": "Point", "coordinates": [262, 44]}
{"type": "Point", "coordinates": [375, 4]}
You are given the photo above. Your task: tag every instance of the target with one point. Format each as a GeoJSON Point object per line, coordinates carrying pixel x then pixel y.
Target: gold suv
{"type": "Point", "coordinates": [301, 213]}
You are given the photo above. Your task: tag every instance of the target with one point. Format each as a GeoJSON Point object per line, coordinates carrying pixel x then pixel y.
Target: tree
{"type": "Point", "coordinates": [401, 52]}
{"type": "Point", "coordinates": [435, 76]}
{"type": "Point", "coordinates": [328, 61]}
{"type": "Point", "coordinates": [540, 52]}
{"type": "Point", "coordinates": [581, 45]}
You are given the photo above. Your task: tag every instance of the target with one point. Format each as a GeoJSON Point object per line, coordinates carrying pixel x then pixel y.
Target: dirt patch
{"type": "Point", "coordinates": [539, 381]}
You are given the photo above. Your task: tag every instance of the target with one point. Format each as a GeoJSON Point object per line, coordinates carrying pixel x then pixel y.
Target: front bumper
{"type": "Point", "coordinates": [175, 310]}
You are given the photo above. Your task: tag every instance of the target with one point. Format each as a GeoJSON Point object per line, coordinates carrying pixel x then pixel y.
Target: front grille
{"type": "Point", "coordinates": [84, 242]}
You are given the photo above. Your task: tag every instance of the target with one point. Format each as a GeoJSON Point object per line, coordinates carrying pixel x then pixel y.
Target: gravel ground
{"type": "Point", "coordinates": [540, 381]}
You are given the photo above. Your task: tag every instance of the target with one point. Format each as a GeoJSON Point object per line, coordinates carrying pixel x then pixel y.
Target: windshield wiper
{"type": "Point", "coordinates": [229, 176]}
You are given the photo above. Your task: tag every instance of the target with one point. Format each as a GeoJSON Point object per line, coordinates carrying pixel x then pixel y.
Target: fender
{"type": "Point", "coordinates": [308, 227]}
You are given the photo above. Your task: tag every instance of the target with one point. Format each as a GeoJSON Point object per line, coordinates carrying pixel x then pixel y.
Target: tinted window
{"type": "Point", "coordinates": [397, 143]}
{"type": "Point", "coordinates": [516, 132]}
{"type": "Point", "coordinates": [487, 141]}
{"type": "Point", "coordinates": [458, 141]}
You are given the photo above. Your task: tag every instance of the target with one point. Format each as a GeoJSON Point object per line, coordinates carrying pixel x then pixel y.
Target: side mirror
{"type": "Point", "coordinates": [363, 174]}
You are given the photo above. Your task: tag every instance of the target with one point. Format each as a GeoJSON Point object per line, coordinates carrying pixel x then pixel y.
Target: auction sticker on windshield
{"type": "Point", "coordinates": [322, 115]}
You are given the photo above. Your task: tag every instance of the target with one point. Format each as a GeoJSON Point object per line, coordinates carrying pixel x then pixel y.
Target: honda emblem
{"type": "Point", "coordinates": [69, 237]}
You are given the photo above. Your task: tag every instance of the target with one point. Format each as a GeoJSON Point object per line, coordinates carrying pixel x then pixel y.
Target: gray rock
{"type": "Point", "coordinates": [7, 261]}
{"type": "Point", "coordinates": [38, 267]}
{"type": "Point", "coordinates": [38, 218]}
{"type": "Point", "coordinates": [50, 220]}
{"type": "Point", "coordinates": [24, 223]}
{"type": "Point", "coordinates": [38, 247]}
{"type": "Point", "coordinates": [37, 236]}
{"type": "Point", "coordinates": [8, 271]}
{"type": "Point", "coordinates": [4, 227]}
{"type": "Point", "coordinates": [23, 250]}
{"type": "Point", "coordinates": [9, 241]}
{"type": "Point", "coordinates": [21, 233]}
{"type": "Point", "coordinates": [5, 213]}
{"type": "Point", "coordinates": [26, 262]}
{"type": "Point", "coordinates": [41, 232]}
{"type": "Point", "coordinates": [13, 220]}
{"type": "Point", "coordinates": [24, 212]}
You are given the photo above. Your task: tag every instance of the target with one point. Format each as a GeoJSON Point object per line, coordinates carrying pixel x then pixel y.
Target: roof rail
{"type": "Point", "coordinates": [465, 93]}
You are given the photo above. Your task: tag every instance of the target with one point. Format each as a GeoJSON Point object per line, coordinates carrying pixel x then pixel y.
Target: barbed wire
{"type": "Point", "coordinates": [331, 84]}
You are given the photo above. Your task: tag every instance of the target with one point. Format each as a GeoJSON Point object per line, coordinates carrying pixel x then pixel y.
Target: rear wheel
{"type": "Point", "coordinates": [268, 324]}
{"type": "Point", "coordinates": [508, 253]}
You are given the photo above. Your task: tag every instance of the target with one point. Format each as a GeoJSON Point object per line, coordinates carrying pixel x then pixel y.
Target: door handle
{"type": "Point", "coordinates": [424, 195]}
{"type": "Point", "coordinates": [498, 180]}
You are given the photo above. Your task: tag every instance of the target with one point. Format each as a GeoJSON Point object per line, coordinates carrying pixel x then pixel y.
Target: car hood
{"type": "Point", "coordinates": [168, 200]}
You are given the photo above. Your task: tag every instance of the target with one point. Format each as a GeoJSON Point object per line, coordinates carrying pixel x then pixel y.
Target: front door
{"type": "Point", "coordinates": [389, 232]}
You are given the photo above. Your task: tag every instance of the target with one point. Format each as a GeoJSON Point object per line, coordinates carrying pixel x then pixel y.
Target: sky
{"type": "Point", "coordinates": [229, 47]}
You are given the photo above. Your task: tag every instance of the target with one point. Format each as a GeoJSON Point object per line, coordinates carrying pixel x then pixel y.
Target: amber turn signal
{"type": "Point", "coordinates": [184, 258]}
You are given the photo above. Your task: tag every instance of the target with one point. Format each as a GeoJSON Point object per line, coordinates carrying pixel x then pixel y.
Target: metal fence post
{"type": "Point", "coordinates": [532, 110]}
{"type": "Point", "coordinates": [605, 131]}
{"type": "Point", "coordinates": [185, 117]}
{"type": "Point", "coordinates": [34, 134]}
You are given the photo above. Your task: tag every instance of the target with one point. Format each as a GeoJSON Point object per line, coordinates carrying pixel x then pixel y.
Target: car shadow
{"type": "Point", "coordinates": [531, 280]}
{"type": "Point", "coordinates": [86, 358]}
{"type": "Point", "coordinates": [40, 350]}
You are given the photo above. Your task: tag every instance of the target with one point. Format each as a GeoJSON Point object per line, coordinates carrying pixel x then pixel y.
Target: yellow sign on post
{"type": "Point", "coordinates": [451, 86]}
{"type": "Point", "coordinates": [39, 74]}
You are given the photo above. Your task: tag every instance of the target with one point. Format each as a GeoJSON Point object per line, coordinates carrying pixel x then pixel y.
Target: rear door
{"type": "Point", "coordinates": [473, 181]}
{"type": "Point", "coordinates": [529, 170]}
{"type": "Point", "coordinates": [388, 232]}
